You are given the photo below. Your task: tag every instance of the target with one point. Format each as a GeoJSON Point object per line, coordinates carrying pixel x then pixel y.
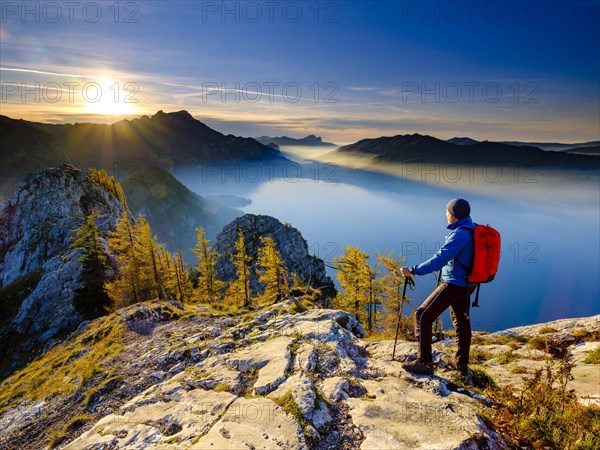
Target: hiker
{"type": "Point", "coordinates": [455, 259]}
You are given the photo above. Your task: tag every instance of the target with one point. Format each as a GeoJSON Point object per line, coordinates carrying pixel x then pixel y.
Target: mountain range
{"type": "Point", "coordinates": [416, 148]}
{"type": "Point", "coordinates": [162, 140]}
{"type": "Point", "coordinates": [582, 147]}
{"type": "Point", "coordinates": [310, 140]}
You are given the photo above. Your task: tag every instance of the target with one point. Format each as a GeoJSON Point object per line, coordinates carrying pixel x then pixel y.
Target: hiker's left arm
{"type": "Point", "coordinates": [450, 249]}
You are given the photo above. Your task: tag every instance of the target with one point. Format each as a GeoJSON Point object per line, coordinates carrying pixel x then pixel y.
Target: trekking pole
{"type": "Point", "coordinates": [408, 281]}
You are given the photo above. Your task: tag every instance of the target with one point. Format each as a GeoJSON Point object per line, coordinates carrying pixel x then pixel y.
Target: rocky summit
{"type": "Point", "coordinates": [39, 271]}
{"type": "Point", "coordinates": [174, 376]}
{"type": "Point", "coordinates": [288, 241]}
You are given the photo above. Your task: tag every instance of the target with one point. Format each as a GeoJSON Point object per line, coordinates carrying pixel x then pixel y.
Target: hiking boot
{"type": "Point", "coordinates": [451, 362]}
{"type": "Point", "coordinates": [418, 368]}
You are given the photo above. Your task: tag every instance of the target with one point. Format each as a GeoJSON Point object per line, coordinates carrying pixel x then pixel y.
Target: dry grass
{"type": "Point", "coordinates": [66, 368]}
{"type": "Point", "coordinates": [544, 413]}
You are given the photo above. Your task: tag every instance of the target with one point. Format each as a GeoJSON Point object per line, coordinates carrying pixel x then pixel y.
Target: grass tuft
{"type": "Point", "coordinates": [593, 357]}
{"type": "Point", "coordinates": [544, 413]}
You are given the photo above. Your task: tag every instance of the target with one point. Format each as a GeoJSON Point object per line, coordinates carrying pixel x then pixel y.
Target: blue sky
{"type": "Point", "coordinates": [346, 70]}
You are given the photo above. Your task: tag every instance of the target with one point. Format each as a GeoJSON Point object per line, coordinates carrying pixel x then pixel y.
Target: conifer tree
{"type": "Point", "coordinates": [392, 284]}
{"type": "Point", "coordinates": [124, 290]}
{"type": "Point", "coordinates": [184, 286]}
{"type": "Point", "coordinates": [359, 285]}
{"type": "Point", "coordinates": [208, 287]}
{"type": "Point", "coordinates": [271, 271]}
{"type": "Point", "coordinates": [146, 269]}
{"type": "Point", "coordinates": [91, 299]}
{"type": "Point", "coordinates": [101, 179]}
{"type": "Point", "coordinates": [151, 278]}
{"type": "Point", "coordinates": [239, 289]}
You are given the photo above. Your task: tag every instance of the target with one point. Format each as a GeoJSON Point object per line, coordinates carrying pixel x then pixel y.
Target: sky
{"type": "Point", "coordinates": [344, 70]}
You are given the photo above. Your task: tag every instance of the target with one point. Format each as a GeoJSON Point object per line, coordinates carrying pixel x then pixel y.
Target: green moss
{"type": "Point", "coordinates": [56, 439]}
{"type": "Point", "coordinates": [518, 370]}
{"type": "Point", "coordinates": [507, 357]}
{"type": "Point", "coordinates": [479, 356]}
{"type": "Point", "coordinates": [197, 438]}
{"type": "Point", "coordinates": [222, 387]}
{"type": "Point", "coordinates": [505, 339]}
{"type": "Point", "coordinates": [290, 406]}
{"type": "Point", "coordinates": [593, 357]}
{"type": "Point", "coordinates": [538, 343]}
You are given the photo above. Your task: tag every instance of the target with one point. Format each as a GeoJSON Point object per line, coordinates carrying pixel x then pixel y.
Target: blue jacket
{"type": "Point", "coordinates": [458, 246]}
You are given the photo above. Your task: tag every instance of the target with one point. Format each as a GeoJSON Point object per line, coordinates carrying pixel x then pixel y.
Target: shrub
{"type": "Point", "coordinates": [544, 413]}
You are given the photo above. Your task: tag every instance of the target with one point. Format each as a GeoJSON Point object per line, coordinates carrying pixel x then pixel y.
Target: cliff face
{"type": "Point", "coordinates": [39, 271]}
{"type": "Point", "coordinates": [288, 241]}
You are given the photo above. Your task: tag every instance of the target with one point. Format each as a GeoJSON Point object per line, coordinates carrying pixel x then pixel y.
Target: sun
{"type": "Point", "coordinates": [110, 97]}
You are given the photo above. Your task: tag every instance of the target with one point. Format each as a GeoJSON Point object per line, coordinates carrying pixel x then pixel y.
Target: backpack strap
{"type": "Point", "coordinates": [476, 302]}
{"type": "Point", "coordinates": [467, 269]}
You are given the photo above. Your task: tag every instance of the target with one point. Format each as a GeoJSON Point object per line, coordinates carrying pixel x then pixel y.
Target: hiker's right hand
{"type": "Point", "coordinates": [406, 271]}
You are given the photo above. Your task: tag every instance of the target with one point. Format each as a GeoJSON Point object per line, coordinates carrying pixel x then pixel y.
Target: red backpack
{"type": "Point", "coordinates": [486, 248]}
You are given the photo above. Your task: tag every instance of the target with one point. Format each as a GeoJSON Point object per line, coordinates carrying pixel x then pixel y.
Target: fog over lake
{"type": "Point", "coordinates": [549, 222]}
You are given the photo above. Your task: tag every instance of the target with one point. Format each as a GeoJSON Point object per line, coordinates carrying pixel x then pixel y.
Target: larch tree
{"type": "Point", "coordinates": [271, 270]}
{"type": "Point", "coordinates": [208, 287]}
{"type": "Point", "coordinates": [359, 284]}
{"type": "Point", "coordinates": [151, 277]}
{"type": "Point", "coordinates": [124, 289]}
{"type": "Point", "coordinates": [392, 284]}
{"type": "Point", "coordinates": [239, 289]}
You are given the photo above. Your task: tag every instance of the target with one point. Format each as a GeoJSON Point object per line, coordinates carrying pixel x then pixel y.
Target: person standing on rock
{"type": "Point", "coordinates": [455, 259]}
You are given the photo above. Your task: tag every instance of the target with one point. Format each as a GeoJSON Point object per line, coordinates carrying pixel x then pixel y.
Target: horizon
{"type": "Point", "coordinates": [344, 71]}
{"type": "Point", "coordinates": [338, 144]}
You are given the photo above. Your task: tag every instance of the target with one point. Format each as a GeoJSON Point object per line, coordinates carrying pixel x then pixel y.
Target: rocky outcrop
{"type": "Point", "coordinates": [288, 241]}
{"type": "Point", "coordinates": [271, 379]}
{"type": "Point", "coordinates": [39, 272]}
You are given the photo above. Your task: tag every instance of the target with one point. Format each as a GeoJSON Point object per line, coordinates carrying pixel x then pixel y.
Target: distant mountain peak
{"type": "Point", "coordinates": [463, 141]}
{"type": "Point", "coordinates": [310, 140]}
{"type": "Point", "coordinates": [183, 114]}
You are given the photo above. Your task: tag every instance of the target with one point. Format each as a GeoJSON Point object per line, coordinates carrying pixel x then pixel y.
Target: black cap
{"type": "Point", "coordinates": [459, 208]}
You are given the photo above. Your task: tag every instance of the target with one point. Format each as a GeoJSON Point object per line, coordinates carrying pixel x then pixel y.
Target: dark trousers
{"type": "Point", "coordinates": [444, 296]}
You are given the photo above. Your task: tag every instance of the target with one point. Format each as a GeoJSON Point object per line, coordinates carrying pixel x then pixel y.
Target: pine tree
{"type": "Point", "coordinates": [239, 289]}
{"type": "Point", "coordinates": [208, 287]}
{"type": "Point", "coordinates": [271, 271]}
{"type": "Point", "coordinates": [91, 299]}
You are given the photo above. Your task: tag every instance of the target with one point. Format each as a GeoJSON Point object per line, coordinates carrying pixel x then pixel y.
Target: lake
{"type": "Point", "coordinates": [549, 222]}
